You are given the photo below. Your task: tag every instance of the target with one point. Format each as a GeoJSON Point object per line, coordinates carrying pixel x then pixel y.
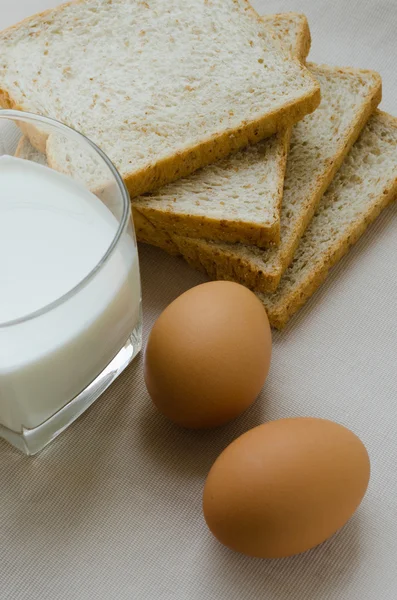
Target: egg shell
{"type": "Point", "coordinates": [285, 486]}
{"type": "Point", "coordinates": [208, 355]}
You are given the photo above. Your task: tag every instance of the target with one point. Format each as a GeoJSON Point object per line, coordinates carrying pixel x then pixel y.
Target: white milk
{"type": "Point", "coordinates": [53, 233]}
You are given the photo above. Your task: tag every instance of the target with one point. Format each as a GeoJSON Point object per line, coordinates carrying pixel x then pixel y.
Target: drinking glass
{"type": "Point", "coordinates": [59, 358]}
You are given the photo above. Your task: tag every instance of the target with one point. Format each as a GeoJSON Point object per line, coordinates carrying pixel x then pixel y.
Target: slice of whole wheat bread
{"type": "Point", "coordinates": [364, 185]}
{"type": "Point", "coordinates": [162, 87]}
{"type": "Point", "coordinates": [318, 146]}
{"type": "Point", "coordinates": [237, 199]}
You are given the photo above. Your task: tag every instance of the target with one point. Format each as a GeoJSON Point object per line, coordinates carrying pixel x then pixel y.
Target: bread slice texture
{"type": "Point", "coordinates": [163, 88]}
{"type": "Point", "coordinates": [26, 151]}
{"type": "Point", "coordinates": [292, 30]}
{"type": "Point", "coordinates": [365, 184]}
{"type": "Point", "coordinates": [237, 199]}
{"type": "Point", "coordinates": [319, 144]}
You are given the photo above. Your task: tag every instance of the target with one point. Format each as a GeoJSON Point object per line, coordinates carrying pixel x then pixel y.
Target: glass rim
{"type": "Point", "coordinates": [15, 115]}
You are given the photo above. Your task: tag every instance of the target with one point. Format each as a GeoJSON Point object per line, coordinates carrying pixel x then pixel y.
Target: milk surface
{"type": "Point", "coordinates": [53, 232]}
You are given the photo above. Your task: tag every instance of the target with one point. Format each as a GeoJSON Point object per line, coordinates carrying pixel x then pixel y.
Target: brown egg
{"type": "Point", "coordinates": [286, 486]}
{"type": "Point", "coordinates": [208, 355]}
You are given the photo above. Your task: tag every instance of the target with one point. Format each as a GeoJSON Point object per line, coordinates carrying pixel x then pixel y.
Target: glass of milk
{"type": "Point", "coordinates": [70, 293]}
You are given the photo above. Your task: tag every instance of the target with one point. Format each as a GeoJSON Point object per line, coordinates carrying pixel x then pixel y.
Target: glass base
{"type": "Point", "coordinates": [31, 441]}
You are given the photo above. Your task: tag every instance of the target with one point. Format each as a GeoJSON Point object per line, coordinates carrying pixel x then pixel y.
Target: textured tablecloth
{"type": "Point", "coordinates": [112, 510]}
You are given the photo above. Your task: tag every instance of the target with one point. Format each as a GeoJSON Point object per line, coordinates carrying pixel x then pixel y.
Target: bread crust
{"type": "Point", "coordinates": [282, 310]}
{"type": "Point", "coordinates": [217, 146]}
{"type": "Point", "coordinates": [184, 162]}
{"type": "Point", "coordinates": [221, 263]}
{"type": "Point", "coordinates": [234, 231]}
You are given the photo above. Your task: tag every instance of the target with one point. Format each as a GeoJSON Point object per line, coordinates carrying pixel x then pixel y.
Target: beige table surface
{"type": "Point", "coordinates": [112, 510]}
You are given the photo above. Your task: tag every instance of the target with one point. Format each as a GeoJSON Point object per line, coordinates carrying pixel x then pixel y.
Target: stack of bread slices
{"type": "Point", "coordinates": [249, 162]}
